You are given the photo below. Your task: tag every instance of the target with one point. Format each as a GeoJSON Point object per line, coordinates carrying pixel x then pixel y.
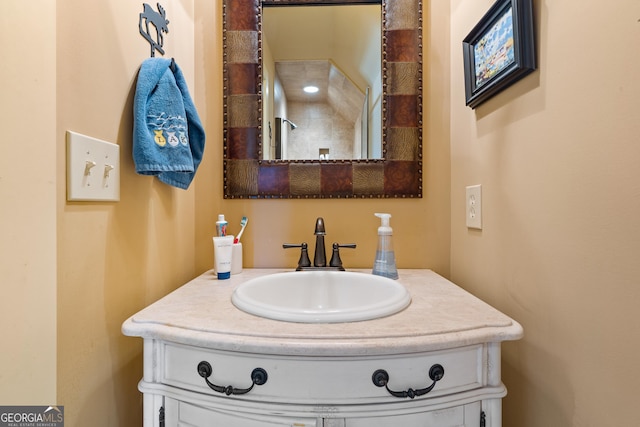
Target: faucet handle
{"type": "Point", "coordinates": [335, 256]}
{"type": "Point", "coordinates": [304, 260]}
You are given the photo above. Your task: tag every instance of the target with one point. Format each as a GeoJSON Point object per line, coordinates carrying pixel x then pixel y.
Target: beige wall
{"type": "Point", "coordinates": [557, 157]}
{"type": "Point", "coordinates": [421, 226]}
{"type": "Point", "coordinates": [28, 203]}
{"type": "Point", "coordinates": [73, 272]}
{"type": "Point", "coordinates": [113, 258]}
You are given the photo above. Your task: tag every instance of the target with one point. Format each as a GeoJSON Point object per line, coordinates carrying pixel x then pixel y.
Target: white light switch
{"type": "Point", "coordinates": [474, 207]}
{"type": "Point", "coordinates": [93, 169]}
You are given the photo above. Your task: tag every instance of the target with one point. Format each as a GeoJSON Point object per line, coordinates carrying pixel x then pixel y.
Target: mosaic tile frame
{"type": "Point", "coordinates": [397, 175]}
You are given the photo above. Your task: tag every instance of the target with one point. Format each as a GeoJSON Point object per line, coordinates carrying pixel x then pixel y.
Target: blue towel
{"type": "Point", "coordinates": [168, 138]}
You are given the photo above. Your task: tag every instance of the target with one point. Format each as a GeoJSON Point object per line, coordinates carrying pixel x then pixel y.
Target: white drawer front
{"type": "Point", "coordinates": [183, 414]}
{"type": "Point", "coordinates": [328, 380]}
{"type": "Point", "coordinates": [459, 416]}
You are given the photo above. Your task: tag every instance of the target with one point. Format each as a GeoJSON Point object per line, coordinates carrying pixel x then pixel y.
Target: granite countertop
{"type": "Point", "coordinates": [441, 315]}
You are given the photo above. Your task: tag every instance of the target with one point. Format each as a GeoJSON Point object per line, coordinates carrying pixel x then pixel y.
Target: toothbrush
{"type": "Point", "coordinates": [243, 224]}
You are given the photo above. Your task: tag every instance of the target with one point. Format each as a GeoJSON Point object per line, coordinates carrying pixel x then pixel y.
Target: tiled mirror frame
{"type": "Point", "coordinates": [397, 175]}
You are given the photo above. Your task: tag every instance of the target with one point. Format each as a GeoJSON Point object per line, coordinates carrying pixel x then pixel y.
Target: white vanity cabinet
{"type": "Point", "coordinates": [435, 364]}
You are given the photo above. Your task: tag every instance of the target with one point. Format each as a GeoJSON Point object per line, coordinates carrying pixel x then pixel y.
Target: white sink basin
{"type": "Point", "coordinates": [321, 296]}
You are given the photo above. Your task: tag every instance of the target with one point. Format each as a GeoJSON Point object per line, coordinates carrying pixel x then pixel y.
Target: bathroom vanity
{"type": "Point", "coordinates": [434, 364]}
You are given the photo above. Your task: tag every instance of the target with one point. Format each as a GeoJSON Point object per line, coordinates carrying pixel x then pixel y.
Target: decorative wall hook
{"type": "Point", "coordinates": [159, 21]}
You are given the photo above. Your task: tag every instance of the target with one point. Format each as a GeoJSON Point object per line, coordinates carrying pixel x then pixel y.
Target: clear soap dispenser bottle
{"type": "Point", "coordinates": [385, 263]}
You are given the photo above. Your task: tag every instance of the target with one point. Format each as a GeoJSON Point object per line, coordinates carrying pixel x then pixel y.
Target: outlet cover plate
{"type": "Point", "coordinates": [93, 169]}
{"type": "Point", "coordinates": [474, 207]}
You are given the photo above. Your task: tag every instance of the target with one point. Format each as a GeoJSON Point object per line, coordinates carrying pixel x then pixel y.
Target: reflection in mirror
{"type": "Point", "coordinates": [322, 70]}
{"type": "Point", "coordinates": [249, 130]}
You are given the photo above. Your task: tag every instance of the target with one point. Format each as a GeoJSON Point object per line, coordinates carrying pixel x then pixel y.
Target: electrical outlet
{"type": "Point", "coordinates": [93, 169]}
{"type": "Point", "coordinates": [474, 207]}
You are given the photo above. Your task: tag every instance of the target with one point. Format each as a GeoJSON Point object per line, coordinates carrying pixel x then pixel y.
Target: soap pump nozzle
{"type": "Point", "coordinates": [384, 223]}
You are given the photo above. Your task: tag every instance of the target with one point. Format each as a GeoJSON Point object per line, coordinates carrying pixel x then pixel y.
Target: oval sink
{"type": "Point", "coordinates": [321, 296]}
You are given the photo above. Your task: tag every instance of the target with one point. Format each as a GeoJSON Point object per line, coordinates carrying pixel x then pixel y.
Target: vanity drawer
{"type": "Point", "coordinates": [186, 414]}
{"type": "Point", "coordinates": [329, 380]}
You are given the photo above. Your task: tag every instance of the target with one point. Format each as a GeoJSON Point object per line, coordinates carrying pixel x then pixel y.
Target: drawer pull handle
{"type": "Point", "coordinates": [258, 377]}
{"type": "Point", "coordinates": [381, 379]}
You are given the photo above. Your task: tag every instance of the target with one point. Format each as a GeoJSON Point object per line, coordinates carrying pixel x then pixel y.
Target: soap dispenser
{"type": "Point", "coordinates": [385, 263]}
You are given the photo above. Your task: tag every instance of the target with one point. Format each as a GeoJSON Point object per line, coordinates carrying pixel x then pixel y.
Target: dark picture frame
{"type": "Point", "coordinates": [499, 50]}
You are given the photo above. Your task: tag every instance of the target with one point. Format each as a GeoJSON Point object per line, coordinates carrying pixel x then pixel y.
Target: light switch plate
{"type": "Point", "coordinates": [474, 207]}
{"type": "Point", "coordinates": [93, 169]}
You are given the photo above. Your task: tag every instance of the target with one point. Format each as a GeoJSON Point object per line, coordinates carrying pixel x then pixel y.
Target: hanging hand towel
{"type": "Point", "coordinates": [168, 138]}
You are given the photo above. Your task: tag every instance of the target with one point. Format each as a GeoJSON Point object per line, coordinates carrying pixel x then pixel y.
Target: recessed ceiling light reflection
{"type": "Point", "coordinates": [310, 89]}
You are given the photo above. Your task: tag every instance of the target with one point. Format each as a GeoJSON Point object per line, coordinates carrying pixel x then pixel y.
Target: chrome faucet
{"type": "Point", "coordinates": [320, 255]}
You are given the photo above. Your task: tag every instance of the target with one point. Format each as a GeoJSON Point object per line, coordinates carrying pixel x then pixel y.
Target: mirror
{"type": "Point", "coordinates": [250, 173]}
{"type": "Point", "coordinates": [322, 77]}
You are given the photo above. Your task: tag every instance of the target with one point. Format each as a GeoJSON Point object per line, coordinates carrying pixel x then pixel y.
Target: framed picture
{"type": "Point", "coordinates": [499, 51]}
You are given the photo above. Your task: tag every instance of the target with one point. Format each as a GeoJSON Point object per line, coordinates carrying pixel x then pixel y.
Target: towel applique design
{"type": "Point", "coordinates": [159, 138]}
{"type": "Point", "coordinates": [169, 129]}
{"type": "Point", "coordinates": [184, 140]}
{"type": "Point", "coordinates": [172, 139]}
